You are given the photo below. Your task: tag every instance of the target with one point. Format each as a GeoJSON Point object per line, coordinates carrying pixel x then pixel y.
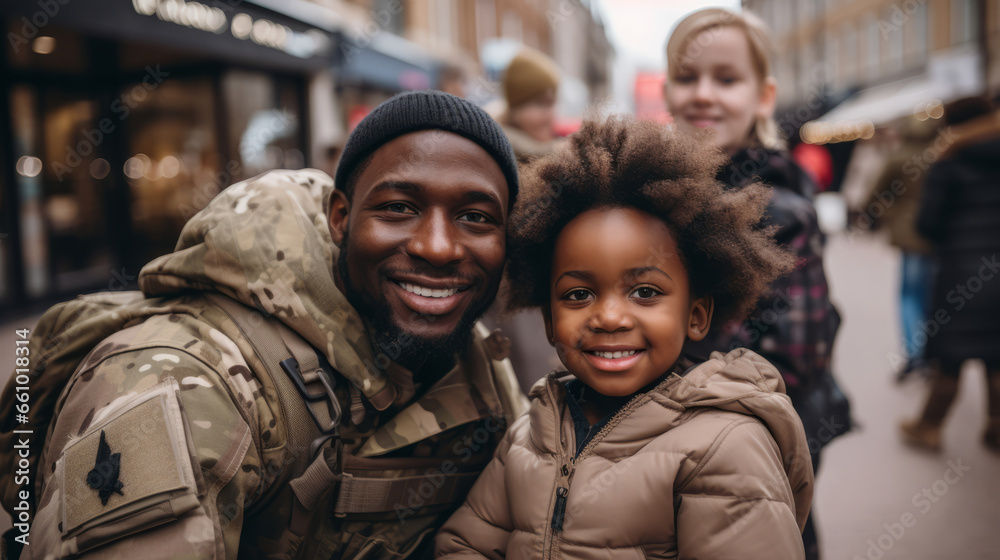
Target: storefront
{"type": "Point", "coordinates": [371, 68]}
{"type": "Point", "coordinates": [120, 120]}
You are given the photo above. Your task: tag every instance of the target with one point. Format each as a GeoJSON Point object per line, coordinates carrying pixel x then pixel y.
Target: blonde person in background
{"type": "Point", "coordinates": [719, 84]}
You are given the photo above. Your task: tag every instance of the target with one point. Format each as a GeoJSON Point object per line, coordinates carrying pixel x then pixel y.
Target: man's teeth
{"type": "Point", "coordinates": [613, 355]}
{"type": "Point", "coordinates": [428, 292]}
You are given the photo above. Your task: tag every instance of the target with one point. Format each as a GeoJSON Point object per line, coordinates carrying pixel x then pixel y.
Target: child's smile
{"type": "Point", "coordinates": [613, 358]}
{"type": "Point", "coordinates": [621, 307]}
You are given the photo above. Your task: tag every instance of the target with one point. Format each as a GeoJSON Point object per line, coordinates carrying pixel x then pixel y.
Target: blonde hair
{"type": "Point", "coordinates": [765, 131]}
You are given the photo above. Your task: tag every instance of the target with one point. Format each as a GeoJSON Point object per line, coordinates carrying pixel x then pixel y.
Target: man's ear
{"type": "Point", "coordinates": [340, 208]}
{"type": "Point", "coordinates": [700, 318]}
{"type": "Point", "coordinates": [547, 318]}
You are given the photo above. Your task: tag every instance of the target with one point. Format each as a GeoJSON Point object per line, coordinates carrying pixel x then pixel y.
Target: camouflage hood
{"type": "Point", "coordinates": [265, 242]}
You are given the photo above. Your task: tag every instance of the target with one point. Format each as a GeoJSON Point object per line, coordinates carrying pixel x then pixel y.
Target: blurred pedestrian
{"type": "Point", "coordinates": [451, 79]}
{"type": "Point", "coordinates": [719, 83]}
{"type": "Point", "coordinates": [530, 84]}
{"type": "Point", "coordinates": [960, 214]}
{"type": "Point", "coordinates": [893, 204]}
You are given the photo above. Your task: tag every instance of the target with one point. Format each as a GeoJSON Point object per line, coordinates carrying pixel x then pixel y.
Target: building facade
{"type": "Point", "coordinates": [841, 44]}
{"type": "Point", "coordinates": [119, 120]}
{"type": "Point", "coordinates": [849, 71]}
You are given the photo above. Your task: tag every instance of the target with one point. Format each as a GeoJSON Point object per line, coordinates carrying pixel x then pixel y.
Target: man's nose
{"type": "Point", "coordinates": [436, 240]}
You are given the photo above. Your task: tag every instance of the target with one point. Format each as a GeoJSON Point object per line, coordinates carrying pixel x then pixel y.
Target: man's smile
{"type": "Point", "coordinates": [431, 296]}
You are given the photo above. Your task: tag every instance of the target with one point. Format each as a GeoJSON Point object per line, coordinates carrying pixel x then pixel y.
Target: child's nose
{"type": "Point", "coordinates": [610, 316]}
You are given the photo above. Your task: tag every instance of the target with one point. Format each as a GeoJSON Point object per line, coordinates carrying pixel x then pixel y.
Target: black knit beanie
{"type": "Point", "coordinates": [425, 110]}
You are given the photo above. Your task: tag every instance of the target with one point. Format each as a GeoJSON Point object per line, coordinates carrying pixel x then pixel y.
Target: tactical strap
{"type": "Point", "coordinates": [286, 354]}
{"type": "Point", "coordinates": [375, 495]}
{"type": "Point", "coordinates": [315, 482]}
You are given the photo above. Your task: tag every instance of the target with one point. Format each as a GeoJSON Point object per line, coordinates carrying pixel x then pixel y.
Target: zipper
{"type": "Point", "coordinates": [553, 532]}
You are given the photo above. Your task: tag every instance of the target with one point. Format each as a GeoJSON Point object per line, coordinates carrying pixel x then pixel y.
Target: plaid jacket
{"type": "Point", "coordinates": [794, 326]}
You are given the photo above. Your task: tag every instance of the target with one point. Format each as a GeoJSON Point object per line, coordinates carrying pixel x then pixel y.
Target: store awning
{"type": "Point", "coordinates": [858, 116]}
{"type": "Point", "coordinates": [888, 102]}
{"type": "Point", "coordinates": [949, 76]}
{"type": "Point", "coordinates": [385, 61]}
{"type": "Point", "coordinates": [231, 31]}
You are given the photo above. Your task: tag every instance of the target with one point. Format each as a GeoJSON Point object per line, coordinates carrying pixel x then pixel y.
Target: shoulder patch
{"type": "Point", "coordinates": [104, 476]}
{"type": "Point", "coordinates": [136, 459]}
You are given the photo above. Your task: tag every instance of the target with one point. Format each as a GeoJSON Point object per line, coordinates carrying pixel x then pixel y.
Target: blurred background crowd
{"type": "Point", "coordinates": [121, 119]}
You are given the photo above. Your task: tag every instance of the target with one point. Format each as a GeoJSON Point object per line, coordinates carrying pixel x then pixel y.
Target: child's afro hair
{"type": "Point", "coordinates": [618, 161]}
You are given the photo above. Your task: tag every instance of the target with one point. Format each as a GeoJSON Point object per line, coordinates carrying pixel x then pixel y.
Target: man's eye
{"type": "Point", "coordinates": [577, 295]}
{"type": "Point", "coordinates": [474, 217]}
{"type": "Point", "coordinates": [399, 208]}
{"type": "Point", "coordinates": [645, 292]}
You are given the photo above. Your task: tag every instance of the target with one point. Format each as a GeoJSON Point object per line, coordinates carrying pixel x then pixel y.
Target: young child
{"type": "Point", "coordinates": [631, 249]}
{"type": "Point", "coordinates": [719, 83]}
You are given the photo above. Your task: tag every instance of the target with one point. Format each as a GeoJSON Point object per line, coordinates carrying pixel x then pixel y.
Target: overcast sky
{"type": "Point", "coordinates": [638, 29]}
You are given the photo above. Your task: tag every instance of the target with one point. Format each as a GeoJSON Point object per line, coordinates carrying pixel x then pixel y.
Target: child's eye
{"type": "Point", "coordinates": [645, 292]}
{"type": "Point", "coordinates": [727, 80]}
{"type": "Point", "coordinates": [577, 295]}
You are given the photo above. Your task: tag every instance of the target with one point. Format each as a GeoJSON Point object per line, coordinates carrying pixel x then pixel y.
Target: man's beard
{"type": "Point", "coordinates": [411, 350]}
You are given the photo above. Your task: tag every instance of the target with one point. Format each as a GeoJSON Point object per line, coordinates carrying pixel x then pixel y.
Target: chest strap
{"type": "Point", "coordinates": [356, 494]}
{"type": "Point", "coordinates": [375, 495]}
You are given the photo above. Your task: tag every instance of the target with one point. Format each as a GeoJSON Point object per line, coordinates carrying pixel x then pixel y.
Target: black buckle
{"type": "Point", "coordinates": [291, 367]}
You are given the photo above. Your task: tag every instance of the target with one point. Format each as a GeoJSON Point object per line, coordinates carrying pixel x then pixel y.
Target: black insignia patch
{"type": "Point", "coordinates": [104, 476]}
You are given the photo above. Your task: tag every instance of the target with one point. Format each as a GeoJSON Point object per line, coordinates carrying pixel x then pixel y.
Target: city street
{"type": "Point", "coordinates": [870, 484]}
{"type": "Point", "coordinates": [870, 501]}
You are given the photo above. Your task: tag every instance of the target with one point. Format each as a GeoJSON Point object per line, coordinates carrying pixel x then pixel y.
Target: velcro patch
{"type": "Point", "coordinates": [135, 459]}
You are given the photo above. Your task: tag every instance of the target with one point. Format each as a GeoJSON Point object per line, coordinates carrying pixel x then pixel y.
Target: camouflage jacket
{"type": "Point", "coordinates": [195, 451]}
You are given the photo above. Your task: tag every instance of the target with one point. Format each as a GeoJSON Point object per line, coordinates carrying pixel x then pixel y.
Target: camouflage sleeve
{"type": "Point", "coordinates": [149, 457]}
{"type": "Point", "coordinates": [482, 526]}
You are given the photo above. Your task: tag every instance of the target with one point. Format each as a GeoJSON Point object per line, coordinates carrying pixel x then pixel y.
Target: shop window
{"type": "Point", "coordinates": [48, 48]}
{"type": "Point", "coordinates": [850, 64]}
{"type": "Point", "coordinates": [893, 37]}
{"type": "Point", "coordinates": [917, 35]}
{"type": "Point", "coordinates": [264, 115]}
{"type": "Point", "coordinates": [173, 165]}
{"type": "Point", "coordinates": [963, 21]}
{"type": "Point", "coordinates": [390, 15]}
{"type": "Point", "coordinates": [64, 230]}
{"type": "Point", "coordinates": [486, 21]}
{"type": "Point", "coordinates": [872, 47]}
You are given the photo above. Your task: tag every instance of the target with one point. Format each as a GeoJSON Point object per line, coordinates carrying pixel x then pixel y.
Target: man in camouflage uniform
{"type": "Point", "coordinates": [172, 440]}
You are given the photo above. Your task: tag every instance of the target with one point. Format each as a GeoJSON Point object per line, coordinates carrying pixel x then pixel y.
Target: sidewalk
{"type": "Point", "coordinates": [870, 486]}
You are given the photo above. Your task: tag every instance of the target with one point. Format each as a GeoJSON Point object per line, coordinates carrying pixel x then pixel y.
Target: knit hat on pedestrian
{"type": "Point", "coordinates": [427, 110]}
{"type": "Point", "coordinates": [529, 74]}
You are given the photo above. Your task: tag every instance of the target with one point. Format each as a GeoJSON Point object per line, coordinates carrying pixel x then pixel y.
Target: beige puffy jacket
{"type": "Point", "coordinates": [710, 465]}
